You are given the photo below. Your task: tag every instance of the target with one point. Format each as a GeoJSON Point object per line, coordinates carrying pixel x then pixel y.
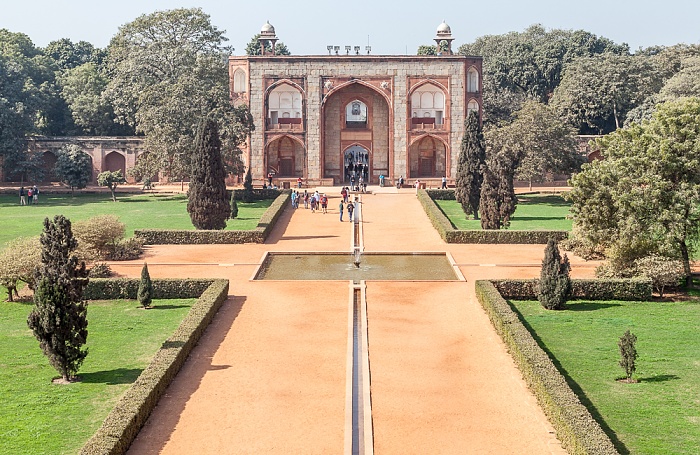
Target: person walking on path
{"type": "Point", "coordinates": [417, 185]}
{"type": "Point", "coordinates": [313, 203]}
{"type": "Point", "coordinates": [351, 209]}
{"type": "Point", "coordinates": [299, 182]}
{"type": "Point", "coordinates": [35, 194]}
{"type": "Point", "coordinates": [341, 208]}
{"type": "Point", "coordinates": [324, 203]}
{"type": "Point", "coordinates": [22, 197]}
{"type": "Point", "coordinates": [444, 183]}
{"type": "Point", "coordinates": [306, 199]}
{"type": "Point", "coordinates": [29, 196]}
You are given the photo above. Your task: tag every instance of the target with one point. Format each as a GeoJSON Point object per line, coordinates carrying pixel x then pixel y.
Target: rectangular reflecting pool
{"type": "Point", "coordinates": [373, 266]}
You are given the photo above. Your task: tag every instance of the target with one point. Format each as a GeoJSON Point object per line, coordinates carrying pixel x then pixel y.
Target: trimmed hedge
{"type": "Point", "coordinates": [134, 407]}
{"type": "Point", "coordinates": [127, 288]}
{"type": "Point", "coordinates": [258, 194]}
{"type": "Point", "coordinates": [502, 236]}
{"type": "Point", "coordinates": [610, 289]}
{"type": "Point", "coordinates": [578, 432]}
{"type": "Point", "coordinates": [197, 237]}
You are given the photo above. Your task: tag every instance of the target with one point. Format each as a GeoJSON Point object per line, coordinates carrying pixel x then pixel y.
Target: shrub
{"type": "Point", "coordinates": [100, 270]}
{"type": "Point", "coordinates": [555, 285]}
{"type": "Point", "coordinates": [17, 263]}
{"type": "Point", "coordinates": [98, 236]}
{"type": "Point", "coordinates": [127, 250]}
{"type": "Point", "coordinates": [628, 354]}
{"type": "Point", "coordinates": [234, 206]}
{"type": "Point", "coordinates": [662, 271]}
{"type": "Point", "coordinates": [145, 291]}
{"type": "Point", "coordinates": [247, 195]}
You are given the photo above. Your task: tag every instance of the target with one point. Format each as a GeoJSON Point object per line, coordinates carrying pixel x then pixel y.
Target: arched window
{"type": "Point", "coordinates": [356, 114]}
{"type": "Point", "coordinates": [473, 106]}
{"type": "Point", "coordinates": [472, 80]}
{"type": "Point", "coordinates": [284, 102]}
{"type": "Point", "coordinates": [239, 85]}
{"type": "Point", "coordinates": [428, 101]}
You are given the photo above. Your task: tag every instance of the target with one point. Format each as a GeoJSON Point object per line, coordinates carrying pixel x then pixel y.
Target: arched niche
{"type": "Point", "coordinates": [472, 80]}
{"type": "Point", "coordinates": [428, 102]}
{"type": "Point", "coordinates": [114, 161]}
{"type": "Point", "coordinates": [356, 114]}
{"type": "Point", "coordinates": [284, 102]}
{"type": "Point", "coordinates": [239, 81]}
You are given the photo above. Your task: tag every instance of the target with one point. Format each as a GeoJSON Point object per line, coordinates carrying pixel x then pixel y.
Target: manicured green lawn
{"type": "Point", "coordinates": [534, 212]}
{"type": "Point", "coordinates": [143, 211]}
{"type": "Point", "coordinates": [38, 417]}
{"type": "Point", "coordinates": [661, 413]}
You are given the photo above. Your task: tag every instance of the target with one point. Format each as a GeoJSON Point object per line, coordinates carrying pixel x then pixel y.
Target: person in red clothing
{"type": "Point", "coordinates": [324, 203]}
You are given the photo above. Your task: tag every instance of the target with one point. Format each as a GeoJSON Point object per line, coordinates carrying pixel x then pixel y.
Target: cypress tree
{"type": "Point", "coordinates": [498, 202]}
{"type": "Point", "coordinates": [248, 187]}
{"type": "Point", "coordinates": [628, 354]}
{"type": "Point", "coordinates": [488, 203]}
{"type": "Point", "coordinates": [145, 292]}
{"type": "Point", "coordinates": [470, 162]}
{"type": "Point", "coordinates": [208, 204]}
{"type": "Point", "coordinates": [554, 284]}
{"type": "Point", "coordinates": [59, 317]}
{"type": "Point", "coordinates": [234, 206]}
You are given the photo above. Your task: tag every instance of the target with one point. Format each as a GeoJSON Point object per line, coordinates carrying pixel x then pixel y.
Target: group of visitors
{"type": "Point", "coordinates": [357, 171]}
{"type": "Point", "coordinates": [28, 196]}
{"type": "Point", "coordinates": [315, 200]}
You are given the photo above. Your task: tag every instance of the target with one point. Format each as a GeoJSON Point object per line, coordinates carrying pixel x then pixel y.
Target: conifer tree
{"type": "Point", "coordinates": [145, 292]}
{"type": "Point", "coordinates": [234, 206]}
{"type": "Point", "coordinates": [470, 163]}
{"type": "Point", "coordinates": [555, 284]}
{"type": "Point", "coordinates": [628, 354]}
{"type": "Point", "coordinates": [59, 317]}
{"type": "Point", "coordinates": [208, 205]}
{"type": "Point", "coordinates": [498, 204]}
{"type": "Point", "coordinates": [248, 186]}
{"type": "Point", "coordinates": [488, 203]}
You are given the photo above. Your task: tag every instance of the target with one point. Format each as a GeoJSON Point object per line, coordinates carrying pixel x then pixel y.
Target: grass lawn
{"type": "Point", "coordinates": [534, 212]}
{"type": "Point", "coordinates": [143, 211]}
{"type": "Point", "coordinates": [661, 413]}
{"type": "Point", "coordinates": [38, 417]}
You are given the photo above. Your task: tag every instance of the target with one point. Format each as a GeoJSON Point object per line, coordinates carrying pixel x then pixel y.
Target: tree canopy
{"type": "Point", "coordinates": [644, 196]}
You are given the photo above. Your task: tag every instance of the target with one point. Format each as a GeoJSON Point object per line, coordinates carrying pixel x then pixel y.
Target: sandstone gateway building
{"type": "Point", "coordinates": [317, 115]}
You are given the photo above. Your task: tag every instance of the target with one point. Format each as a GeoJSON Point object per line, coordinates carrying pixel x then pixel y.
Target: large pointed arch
{"type": "Point", "coordinates": [361, 82]}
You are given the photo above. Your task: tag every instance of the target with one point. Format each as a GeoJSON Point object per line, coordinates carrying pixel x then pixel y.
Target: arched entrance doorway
{"type": "Point", "coordinates": [427, 158]}
{"type": "Point", "coordinates": [285, 157]}
{"type": "Point", "coordinates": [356, 164]}
{"type": "Point", "coordinates": [356, 121]}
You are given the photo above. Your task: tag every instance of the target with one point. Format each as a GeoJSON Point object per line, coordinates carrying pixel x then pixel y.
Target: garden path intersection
{"type": "Point", "coordinates": [270, 375]}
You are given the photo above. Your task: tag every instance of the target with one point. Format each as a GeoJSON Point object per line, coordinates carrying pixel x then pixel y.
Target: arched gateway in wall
{"type": "Point", "coordinates": [356, 133]}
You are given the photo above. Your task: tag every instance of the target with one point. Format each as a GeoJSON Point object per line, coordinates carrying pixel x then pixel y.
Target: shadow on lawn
{"type": "Point", "coordinates": [537, 218]}
{"type": "Point", "coordinates": [589, 306]}
{"type": "Point", "coordinates": [167, 307]}
{"type": "Point", "coordinates": [111, 377]}
{"type": "Point", "coordinates": [553, 201]}
{"type": "Point", "coordinates": [660, 378]}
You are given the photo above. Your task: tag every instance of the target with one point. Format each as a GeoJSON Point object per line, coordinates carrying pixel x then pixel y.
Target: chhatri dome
{"type": "Point", "coordinates": [268, 29]}
{"type": "Point", "coordinates": [443, 28]}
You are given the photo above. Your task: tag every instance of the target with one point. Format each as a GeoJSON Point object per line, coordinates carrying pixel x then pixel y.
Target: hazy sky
{"type": "Point", "coordinates": [308, 26]}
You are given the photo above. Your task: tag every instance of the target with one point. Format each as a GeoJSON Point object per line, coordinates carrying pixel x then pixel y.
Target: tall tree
{"type": "Point", "coordinates": [74, 167]}
{"type": "Point", "coordinates": [554, 286]}
{"type": "Point", "coordinates": [529, 64]}
{"type": "Point", "coordinates": [253, 47]}
{"type": "Point", "coordinates": [644, 197]}
{"type": "Point", "coordinates": [18, 261]}
{"type": "Point", "coordinates": [169, 69]}
{"type": "Point", "coordinates": [59, 317]}
{"type": "Point", "coordinates": [596, 93]}
{"type": "Point", "coordinates": [208, 205]}
{"type": "Point", "coordinates": [498, 201]}
{"type": "Point", "coordinates": [470, 162]}
{"type": "Point", "coordinates": [111, 179]}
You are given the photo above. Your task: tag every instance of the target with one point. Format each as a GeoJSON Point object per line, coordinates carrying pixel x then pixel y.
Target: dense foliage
{"type": "Point", "coordinates": [59, 317]}
{"type": "Point", "coordinates": [470, 164]}
{"type": "Point", "coordinates": [555, 285]}
{"type": "Point", "coordinates": [111, 179]}
{"type": "Point", "coordinates": [74, 167]}
{"type": "Point", "coordinates": [207, 203]}
{"type": "Point", "coordinates": [644, 197]}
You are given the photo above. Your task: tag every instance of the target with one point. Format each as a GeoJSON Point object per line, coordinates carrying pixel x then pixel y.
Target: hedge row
{"type": "Point", "coordinates": [196, 237]}
{"type": "Point", "coordinates": [634, 289]}
{"type": "Point", "coordinates": [127, 288]}
{"type": "Point", "coordinates": [130, 413]}
{"type": "Point", "coordinates": [451, 235]}
{"type": "Point", "coordinates": [578, 432]}
{"type": "Point", "coordinates": [258, 194]}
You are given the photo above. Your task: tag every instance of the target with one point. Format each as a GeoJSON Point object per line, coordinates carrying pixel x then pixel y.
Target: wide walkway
{"type": "Point", "coordinates": [269, 374]}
